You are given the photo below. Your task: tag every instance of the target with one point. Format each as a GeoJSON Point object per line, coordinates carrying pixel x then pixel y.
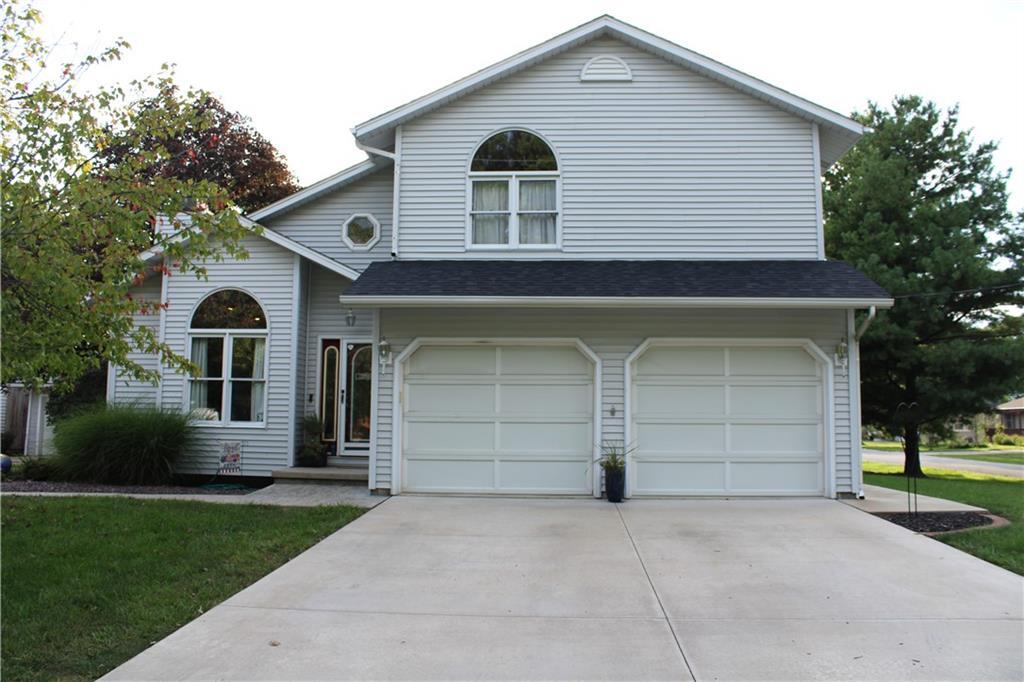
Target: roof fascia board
{"type": "Point", "coordinates": [614, 301]}
{"type": "Point", "coordinates": [333, 182]}
{"type": "Point", "coordinates": [273, 237]}
{"type": "Point", "coordinates": [619, 29]}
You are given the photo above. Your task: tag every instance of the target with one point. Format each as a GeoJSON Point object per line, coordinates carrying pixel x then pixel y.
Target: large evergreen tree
{"type": "Point", "coordinates": [921, 208]}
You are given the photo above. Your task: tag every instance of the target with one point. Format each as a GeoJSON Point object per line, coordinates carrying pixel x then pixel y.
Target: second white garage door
{"type": "Point", "coordinates": [732, 420]}
{"type": "Point", "coordinates": [497, 419]}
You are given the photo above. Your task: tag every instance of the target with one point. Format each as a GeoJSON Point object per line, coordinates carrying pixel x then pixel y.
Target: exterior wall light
{"type": "Point", "coordinates": [842, 355]}
{"type": "Point", "coordinates": [384, 352]}
{"type": "Point", "coordinates": [350, 318]}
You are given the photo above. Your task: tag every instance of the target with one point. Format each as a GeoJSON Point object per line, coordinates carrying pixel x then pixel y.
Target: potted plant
{"type": "Point", "coordinates": [613, 463]}
{"type": "Point", "coordinates": [313, 451]}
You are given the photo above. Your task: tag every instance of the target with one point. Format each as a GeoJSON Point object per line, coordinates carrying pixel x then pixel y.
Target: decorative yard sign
{"type": "Point", "coordinates": [230, 459]}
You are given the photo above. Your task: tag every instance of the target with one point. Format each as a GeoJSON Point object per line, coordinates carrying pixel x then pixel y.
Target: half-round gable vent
{"type": "Point", "coordinates": [606, 67]}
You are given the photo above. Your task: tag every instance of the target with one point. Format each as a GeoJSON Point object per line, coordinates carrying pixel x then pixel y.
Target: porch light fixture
{"type": "Point", "coordinates": [384, 352]}
{"type": "Point", "coordinates": [842, 355]}
{"type": "Point", "coordinates": [350, 318]}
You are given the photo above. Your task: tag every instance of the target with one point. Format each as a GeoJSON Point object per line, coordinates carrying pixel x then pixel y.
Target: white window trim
{"type": "Point", "coordinates": [225, 410]}
{"type": "Point", "coordinates": [513, 179]}
{"type": "Point", "coordinates": [373, 240]}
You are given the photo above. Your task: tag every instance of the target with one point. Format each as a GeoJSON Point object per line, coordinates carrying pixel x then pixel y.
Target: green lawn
{"type": "Point", "coordinates": [90, 582]}
{"type": "Point", "coordinates": [1000, 495]}
{"type": "Point", "coordinates": [1002, 457]}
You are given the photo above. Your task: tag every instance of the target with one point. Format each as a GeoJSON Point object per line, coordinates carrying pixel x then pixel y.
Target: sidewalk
{"type": "Point", "coordinates": [878, 500]}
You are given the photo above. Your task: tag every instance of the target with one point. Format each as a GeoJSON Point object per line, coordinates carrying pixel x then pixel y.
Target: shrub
{"type": "Point", "coordinates": [312, 452]}
{"type": "Point", "coordinates": [35, 469]}
{"type": "Point", "coordinates": [122, 444]}
{"type": "Point", "coordinates": [1007, 439]}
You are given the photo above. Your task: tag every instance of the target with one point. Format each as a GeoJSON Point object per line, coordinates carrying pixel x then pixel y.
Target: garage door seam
{"type": "Point", "coordinates": [657, 597]}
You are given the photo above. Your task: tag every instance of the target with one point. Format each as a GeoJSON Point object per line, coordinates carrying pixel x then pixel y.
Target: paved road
{"type": "Point", "coordinates": [434, 588]}
{"type": "Point", "coordinates": [931, 460]}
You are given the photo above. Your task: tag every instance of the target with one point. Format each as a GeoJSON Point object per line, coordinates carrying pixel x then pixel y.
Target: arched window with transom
{"type": "Point", "coordinates": [228, 346]}
{"type": "Point", "coordinates": [514, 193]}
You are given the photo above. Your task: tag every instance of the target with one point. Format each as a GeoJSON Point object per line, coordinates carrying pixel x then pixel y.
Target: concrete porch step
{"type": "Point", "coordinates": [327, 473]}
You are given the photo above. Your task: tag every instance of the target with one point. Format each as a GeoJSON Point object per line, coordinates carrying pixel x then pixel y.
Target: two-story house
{"type": "Point", "coordinates": [606, 237]}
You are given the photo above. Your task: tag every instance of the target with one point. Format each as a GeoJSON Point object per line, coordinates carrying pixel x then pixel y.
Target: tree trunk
{"type": "Point", "coordinates": [912, 449]}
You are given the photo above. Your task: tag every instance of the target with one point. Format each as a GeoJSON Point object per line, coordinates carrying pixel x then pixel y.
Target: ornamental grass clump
{"type": "Point", "coordinates": [122, 444]}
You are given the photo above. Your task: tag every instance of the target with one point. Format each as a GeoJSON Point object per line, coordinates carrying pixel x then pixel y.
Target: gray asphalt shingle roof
{"type": "Point", "coordinates": [619, 278]}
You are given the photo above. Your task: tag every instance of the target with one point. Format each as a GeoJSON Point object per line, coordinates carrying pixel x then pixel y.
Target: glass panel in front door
{"type": "Point", "coordinates": [359, 365]}
{"type": "Point", "coordinates": [330, 366]}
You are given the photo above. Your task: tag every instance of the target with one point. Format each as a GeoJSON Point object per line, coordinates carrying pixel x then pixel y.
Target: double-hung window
{"type": "Point", "coordinates": [228, 345]}
{"type": "Point", "coordinates": [514, 193]}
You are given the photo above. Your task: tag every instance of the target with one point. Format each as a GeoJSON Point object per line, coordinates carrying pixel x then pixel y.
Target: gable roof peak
{"type": "Point", "coordinates": [838, 132]}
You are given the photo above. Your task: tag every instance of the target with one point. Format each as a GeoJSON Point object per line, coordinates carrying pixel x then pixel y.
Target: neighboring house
{"type": "Point", "coordinates": [1011, 415]}
{"type": "Point", "coordinates": [606, 237]}
{"type": "Point", "coordinates": [25, 428]}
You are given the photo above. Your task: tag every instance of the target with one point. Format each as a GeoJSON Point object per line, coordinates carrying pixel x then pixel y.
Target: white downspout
{"type": "Point", "coordinates": [872, 311]}
{"type": "Point", "coordinates": [396, 158]}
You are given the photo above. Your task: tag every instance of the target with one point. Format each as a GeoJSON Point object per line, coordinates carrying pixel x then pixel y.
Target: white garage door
{"type": "Point", "coordinates": [498, 419]}
{"type": "Point", "coordinates": [727, 421]}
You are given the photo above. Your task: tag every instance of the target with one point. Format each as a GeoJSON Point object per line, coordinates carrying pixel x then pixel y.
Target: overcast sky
{"type": "Point", "coordinates": [307, 71]}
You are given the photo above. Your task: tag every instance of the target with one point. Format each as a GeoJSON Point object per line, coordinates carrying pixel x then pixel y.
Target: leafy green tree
{"type": "Point", "coordinates": [921, 208]}
{"type": "Point", "coordinates": [225, 150]}
{"type": "Point", "coordinates": [71, 238]}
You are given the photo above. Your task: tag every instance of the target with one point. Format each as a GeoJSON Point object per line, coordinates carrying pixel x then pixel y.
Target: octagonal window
{"type": "Point", "coordinates": [361, 231]}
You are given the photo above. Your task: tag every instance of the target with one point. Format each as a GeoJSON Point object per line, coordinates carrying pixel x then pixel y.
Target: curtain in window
{"type": "Point", "coordinates": [537, 228]}
{"type": "Point", "coordinates": [490, 196]}
{"type": "Point", "coordinates": [258, 387]}
{"type": "Point", "coordinates": [199, 391]}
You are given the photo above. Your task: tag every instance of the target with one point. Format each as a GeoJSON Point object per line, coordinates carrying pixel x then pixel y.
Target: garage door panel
{"type": "Point", "coordinates": [443, 436]}
{"type": "Point", "coordinates": [776, 477]}
{"type": "Point", "coordinates": [498, 419]}
{"type": "Point", "coordinates": [544, 361]}
{"type": "Point", "coordinates": [544, 399]}
{"type": "Point", "coordinates": [448, 398]}
{"type": "Point", "coordinates": [545, 437]}
{"type": "Point", "coordinates": [797, 402]}
{"type": "Point", "coordinates": [692, 361]}
{"type": "Point", "coordinates": [450, 475]}
{"type": "Point", "coordinates": [775, 438]}
{"type": "Point", "coordinates": [738, 419]}
{"type": "Point", "coordinates": [453, 360]}
{"type": "Point", "coordinates": [542, 475]}
{"type": "Point", "coordinates": [786, 362]}
{"type": "Point", "coordinates": [660, 400]}
{"type": "Point", "coordinates": [680, 477]}
{"type": "Point", "coordinates": [683, 438]}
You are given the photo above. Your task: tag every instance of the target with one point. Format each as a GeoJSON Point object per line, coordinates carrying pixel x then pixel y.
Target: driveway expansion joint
{"type": "Point", "coordinates": [664, 613]}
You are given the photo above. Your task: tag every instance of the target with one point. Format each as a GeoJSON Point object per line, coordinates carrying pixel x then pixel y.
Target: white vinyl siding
{"type": "Point", "coordinates": [668, 165]}
{"type": "Point", "coordinates": [613, 335]}
{"type": "Point", "coordinates": [318, 224]}
{"type": "Point", "coordinates": [267, 275]}
{"type": "Point", "coordinates": [127, 389]}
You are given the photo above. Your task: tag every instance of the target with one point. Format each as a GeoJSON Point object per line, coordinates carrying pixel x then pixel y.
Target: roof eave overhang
{"type": "Point", "coordinates": [609, 302]}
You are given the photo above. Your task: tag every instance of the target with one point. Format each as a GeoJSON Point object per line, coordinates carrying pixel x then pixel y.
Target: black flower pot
{"type": "Point", "coordinates": [614, 484]}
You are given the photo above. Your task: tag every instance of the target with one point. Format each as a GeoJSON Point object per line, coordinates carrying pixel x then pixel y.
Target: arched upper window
{"type": "Point", "coordinates": [514, 193]}
{"type": "Point", "coordinates": [228, 346]}
{"type": "Point", "coordinates": [229, 309]}
{"type": "Point", "coordinates": [514, 150]}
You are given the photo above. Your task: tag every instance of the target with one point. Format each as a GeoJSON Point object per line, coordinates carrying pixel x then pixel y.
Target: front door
{"type": "Point", "coordinates": [346, 374]}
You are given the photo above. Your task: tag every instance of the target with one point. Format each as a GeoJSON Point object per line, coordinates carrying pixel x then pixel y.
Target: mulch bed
{"type": "Point", "coordinates": [58, 487]}
{"type": "Point", "coordinates": [937, 522]}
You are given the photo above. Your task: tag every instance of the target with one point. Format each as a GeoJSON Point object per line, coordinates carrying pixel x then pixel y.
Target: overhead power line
{"type": "Point", "coordinates": [1018, 285]}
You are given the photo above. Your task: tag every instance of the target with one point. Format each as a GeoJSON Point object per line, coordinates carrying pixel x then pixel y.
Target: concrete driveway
{"type": "Point", "coordinates": [471, 588]}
